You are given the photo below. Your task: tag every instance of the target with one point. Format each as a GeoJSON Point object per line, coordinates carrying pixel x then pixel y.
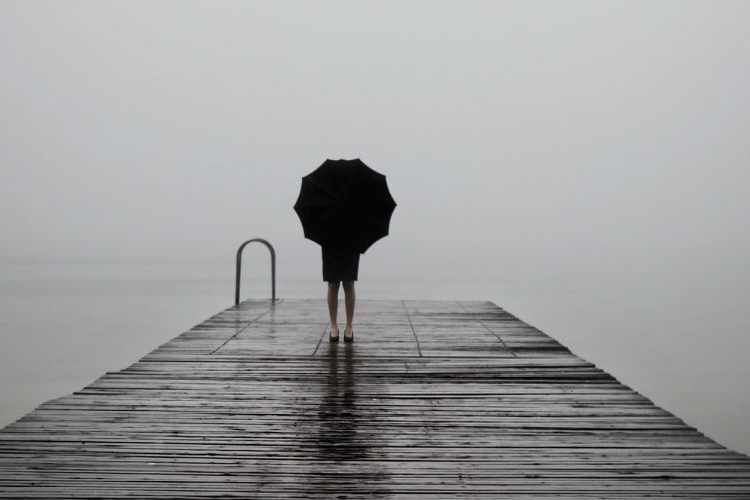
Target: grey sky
{"type": "Point", "coordinates": [599, 139]}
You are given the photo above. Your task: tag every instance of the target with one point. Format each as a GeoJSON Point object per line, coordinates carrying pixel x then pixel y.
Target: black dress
{"type": "Point", "coordinates": [340, 266]}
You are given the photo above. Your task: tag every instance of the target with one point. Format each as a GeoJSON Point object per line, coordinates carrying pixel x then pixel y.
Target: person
{"type": "Point", "coordinates": [340, 266]}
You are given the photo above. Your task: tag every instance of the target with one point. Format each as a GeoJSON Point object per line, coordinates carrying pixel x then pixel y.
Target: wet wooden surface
{"type": "Point", "coordinates": [433, 399]}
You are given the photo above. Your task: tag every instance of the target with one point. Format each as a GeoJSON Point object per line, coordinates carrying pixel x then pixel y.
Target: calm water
{"type": "Point", "coordinates": [62, 326]}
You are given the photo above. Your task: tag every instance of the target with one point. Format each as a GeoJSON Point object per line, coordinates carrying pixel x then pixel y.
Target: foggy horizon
{"type": "Point", "coordinates": [519, 140]}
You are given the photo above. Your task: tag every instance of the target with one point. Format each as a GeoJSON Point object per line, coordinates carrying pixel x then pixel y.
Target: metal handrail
{"type": "Point", "coordinates": [239, 270]}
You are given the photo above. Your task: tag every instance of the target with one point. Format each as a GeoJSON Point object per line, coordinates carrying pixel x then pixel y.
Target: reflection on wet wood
{"type": "Point", "coordinates": [433, 398]}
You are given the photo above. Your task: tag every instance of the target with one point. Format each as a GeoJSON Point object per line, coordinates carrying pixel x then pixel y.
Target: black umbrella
{"type": "Point", "coordinates": [345, 205]}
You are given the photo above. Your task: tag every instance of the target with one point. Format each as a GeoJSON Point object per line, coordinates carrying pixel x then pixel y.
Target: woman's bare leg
{"type": "Point", "coordinates": [349, 298]}
{"type": "Point", "coordinates": [333, 302]}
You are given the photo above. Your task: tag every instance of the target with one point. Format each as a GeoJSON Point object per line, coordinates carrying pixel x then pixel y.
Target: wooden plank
{"type": "Point", "coordinates": [432, 399]}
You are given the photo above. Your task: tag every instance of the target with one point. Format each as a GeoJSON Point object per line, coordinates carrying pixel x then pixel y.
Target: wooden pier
{"type": "Point", "coordinates": [433, 399]}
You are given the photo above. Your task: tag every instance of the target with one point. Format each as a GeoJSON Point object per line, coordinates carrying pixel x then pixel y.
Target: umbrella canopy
{"type": "Point", "coordinates": [345, 205]}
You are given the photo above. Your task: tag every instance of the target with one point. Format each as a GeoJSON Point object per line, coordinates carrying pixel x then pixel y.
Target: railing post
{"type": "Point", "coordinates": [239, 270]}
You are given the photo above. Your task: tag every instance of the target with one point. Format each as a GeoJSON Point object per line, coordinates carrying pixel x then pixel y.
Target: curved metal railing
{"type": "Point", "coordinates": [239, 269]}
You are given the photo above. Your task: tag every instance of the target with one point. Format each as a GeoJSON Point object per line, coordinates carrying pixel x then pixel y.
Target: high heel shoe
{"type": "Point", "coordinates": [333, 338]}
{"type": "Point", "coordinates": [349, 338]}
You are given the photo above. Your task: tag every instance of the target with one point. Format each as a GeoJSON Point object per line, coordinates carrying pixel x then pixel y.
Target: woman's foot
{"type": "Point", "coordinates": [334, 335]}
{"type": "Point", "coordinates": [348, 333]}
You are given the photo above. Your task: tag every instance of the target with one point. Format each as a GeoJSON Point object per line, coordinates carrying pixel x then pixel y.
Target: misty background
{"type": "Point", "coordinates": [582, 164]}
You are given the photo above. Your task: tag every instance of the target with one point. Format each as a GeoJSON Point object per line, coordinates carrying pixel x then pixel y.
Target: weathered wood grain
{"type": "Point", "coordinates": [433, 399]}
